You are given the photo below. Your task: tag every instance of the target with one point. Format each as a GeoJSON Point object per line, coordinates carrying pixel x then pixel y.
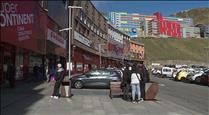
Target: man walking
{"type": "Point", "coordinates": [126, 82]}
{"type": "Point", "coordinates": [145, 78]}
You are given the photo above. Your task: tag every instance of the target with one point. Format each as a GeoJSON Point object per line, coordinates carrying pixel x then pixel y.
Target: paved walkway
{"type": "Point", "coordinates": [34, 99]}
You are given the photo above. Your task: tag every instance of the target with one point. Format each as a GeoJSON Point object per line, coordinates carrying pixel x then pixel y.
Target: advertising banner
{"type": "Point", "coordinates": [126, 48]}
{"type": "Point", "coordinates": [115, 49]}
{"type": "Point", "coordinates": [21, 24]}
{"type": "Point", "coordinates": [55, 44]}
{"type": "Point", "coordinates": [56, 38]}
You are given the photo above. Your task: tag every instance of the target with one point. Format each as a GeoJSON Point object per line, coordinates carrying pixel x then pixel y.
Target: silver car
{"type": "Point", "coordinates": [96, 78]}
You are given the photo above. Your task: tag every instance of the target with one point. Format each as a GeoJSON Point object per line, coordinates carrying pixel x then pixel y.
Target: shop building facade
{"type": "Point", "coordinates": [115, 48]}
{"type": "Point", "coordinates": [136, 51]}
{"type": "Point", "coordinates": [89, 37]}
{"type": "Point", "coordinates": [27, 39]}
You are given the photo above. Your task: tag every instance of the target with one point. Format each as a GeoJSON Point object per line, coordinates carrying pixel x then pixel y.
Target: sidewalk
{"type": "Point", "coordinates": [34, 99]}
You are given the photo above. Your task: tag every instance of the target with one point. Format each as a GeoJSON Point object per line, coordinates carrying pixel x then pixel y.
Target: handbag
{"type": "Point", "coordinates": [53, 79]}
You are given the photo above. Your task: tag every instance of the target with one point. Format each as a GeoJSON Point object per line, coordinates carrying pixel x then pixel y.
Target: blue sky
{"type": "Point", "coordinates": [148, 7]}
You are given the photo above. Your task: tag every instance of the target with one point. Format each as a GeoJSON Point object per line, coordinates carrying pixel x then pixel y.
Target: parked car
{"type": "Point", "coordinates": [203, 79]}
{"type": "Point", "coordinates": [96, 78]}
{"type": "Point", "coordinates": [192, 77]}
{"type": "Point", "coordinates": [156, 72]}
{"type": "Point", "coordinates": [167, 72]}
{"type": "Point", "coordinates": [181, 75]}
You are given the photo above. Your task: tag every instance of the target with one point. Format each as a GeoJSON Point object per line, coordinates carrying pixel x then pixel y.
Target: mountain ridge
{"type": "Point", "coordinates": [199, 15]}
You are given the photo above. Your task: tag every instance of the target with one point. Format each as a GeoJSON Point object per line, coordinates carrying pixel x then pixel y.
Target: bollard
{"type": "Point", "coordinates": [65, 89]}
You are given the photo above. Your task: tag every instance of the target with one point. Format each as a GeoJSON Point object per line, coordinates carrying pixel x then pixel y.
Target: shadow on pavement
{"type": "Point", "coordinates": [18, 100]}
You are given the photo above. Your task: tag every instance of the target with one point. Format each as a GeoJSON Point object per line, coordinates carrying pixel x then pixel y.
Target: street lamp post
{"type": "Point", "coordinates": [69, 44]}
{"type": "Point", "coordinates": [100, 55]}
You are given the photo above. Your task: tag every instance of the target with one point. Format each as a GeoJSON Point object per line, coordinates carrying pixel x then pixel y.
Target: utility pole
{"type": "Point", "coordinates": [69, 44]}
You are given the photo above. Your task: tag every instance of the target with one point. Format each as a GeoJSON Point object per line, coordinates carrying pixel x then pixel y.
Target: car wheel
{"type": "Point", "coordinates": [78, 84]}
{"type": "Point", "coordinates": [183, 79]}
{"type": "Point", "coordinates": [197, 80]}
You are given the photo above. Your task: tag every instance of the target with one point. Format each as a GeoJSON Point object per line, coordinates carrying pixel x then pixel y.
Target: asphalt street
{"type": "Point", "coordinates": [191, 96]}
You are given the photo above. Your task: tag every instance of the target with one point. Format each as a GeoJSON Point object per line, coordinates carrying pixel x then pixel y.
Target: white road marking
{"type": "Point", "coordinates": [161, 85]}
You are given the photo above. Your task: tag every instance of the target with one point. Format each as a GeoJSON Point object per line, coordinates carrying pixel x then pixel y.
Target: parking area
{"type": "Point", "coordinates": [189, 74]}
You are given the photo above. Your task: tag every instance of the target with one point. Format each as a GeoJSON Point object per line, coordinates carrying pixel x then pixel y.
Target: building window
{"type": "Point", "coordinates": [85, 21]}
{"type": "Point", "coordinates": [88, 23]}
{"type": "Point", "coordinates": [81, 16]}
{"type": "Point", "coordinates": [98, 32]}
{"type": "Point", "coordinates": [95, 31]}
{"type": "Point", "coordinates": [92, 27]}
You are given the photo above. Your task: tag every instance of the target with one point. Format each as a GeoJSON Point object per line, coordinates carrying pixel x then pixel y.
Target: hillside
{"type": "Point", "coordinates": [174, 49]}
{"type": "Point", "coordinates": [199, 15]}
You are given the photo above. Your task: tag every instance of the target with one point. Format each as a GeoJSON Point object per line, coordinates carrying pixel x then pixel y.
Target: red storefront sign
{"type": "Point", "coordinates": [22, 24]}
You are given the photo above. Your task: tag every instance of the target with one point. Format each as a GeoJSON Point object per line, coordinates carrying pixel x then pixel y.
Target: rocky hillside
{"type": "Point", "coordinates": [199, 15]}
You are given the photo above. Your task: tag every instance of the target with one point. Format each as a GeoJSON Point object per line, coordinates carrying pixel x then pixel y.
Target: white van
{"type": "Point", "coordinates": [167, 72]}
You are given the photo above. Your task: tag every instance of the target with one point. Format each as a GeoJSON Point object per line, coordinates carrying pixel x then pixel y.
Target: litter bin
{"type": "Point", "coordinates": [115, 89]}
{"type": "Point", "coordinates": [65, 89]}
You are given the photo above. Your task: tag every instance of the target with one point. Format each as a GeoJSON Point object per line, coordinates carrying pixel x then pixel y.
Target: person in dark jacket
{"type": "Point", "coordinates": [10, 75]}
{"type": "Point", "coordinates": [145, 78]}
{"type": "Point", "coordinates": [126, 82]}
{"type": "Point", "coordinates": [59, 79]}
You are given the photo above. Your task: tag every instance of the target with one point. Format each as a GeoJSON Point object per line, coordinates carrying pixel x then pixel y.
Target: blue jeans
{"type": "Point", "coordinates": [135, 90]}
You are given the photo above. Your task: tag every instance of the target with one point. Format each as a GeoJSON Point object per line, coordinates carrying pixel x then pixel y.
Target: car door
{"type": "Point", "coordinates": [92, 78]}
{"type": "Point", "coordinates": [103, 78]}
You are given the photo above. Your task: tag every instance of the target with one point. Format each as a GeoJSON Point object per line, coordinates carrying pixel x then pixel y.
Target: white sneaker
{"type": "Point", "coordinates": [139, 101]}
{"type": "Point", "coordinates": [56, 97]}
{"type": "Point", "coordinates": [52, 96]}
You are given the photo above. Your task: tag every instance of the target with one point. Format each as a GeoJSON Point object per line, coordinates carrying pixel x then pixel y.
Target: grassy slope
{"type": "Point", "coordinates": [174, 49]}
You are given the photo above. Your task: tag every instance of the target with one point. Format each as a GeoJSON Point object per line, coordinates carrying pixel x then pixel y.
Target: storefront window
{"type": "Point", "coordinates": [86, 67]}
{"type": "Point", "coordinates": [94, 66]}
{"type": "Point", "coordinates": [79, 66]}
{"type": "Point", "coordinates": [35, 59]}
{"type": "Point", "coordinates": [19, 65]}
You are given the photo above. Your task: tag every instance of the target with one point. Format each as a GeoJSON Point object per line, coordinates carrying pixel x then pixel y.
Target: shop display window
{"type": "Point", "coordinates": [79, 66]}
{"type": "Point", "coordinates": [19, 65]}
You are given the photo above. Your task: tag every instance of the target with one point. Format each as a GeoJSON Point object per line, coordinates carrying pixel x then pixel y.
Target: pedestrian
{"type": "Point", "coordinates": [52, 73]}
{"type": "Point", "coordinates": [126, 82]}
{"type": "Point", "coordinates": [145, 78]}
{"type": "Point", "coordinates": [59, 79]}
{"type": "Point", "coordinates": [135, 84]}
{"type": "Point", "coordinates": [10, 75]}
{"type": "Point", "coordinates": [35, 71]}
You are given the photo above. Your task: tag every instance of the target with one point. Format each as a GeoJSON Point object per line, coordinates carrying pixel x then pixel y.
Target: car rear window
{"type": "Point", "coordinates": [167, 70]}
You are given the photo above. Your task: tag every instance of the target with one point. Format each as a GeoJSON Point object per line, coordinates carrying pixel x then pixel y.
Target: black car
{"type": "Point", "coordinates": [95, 78]}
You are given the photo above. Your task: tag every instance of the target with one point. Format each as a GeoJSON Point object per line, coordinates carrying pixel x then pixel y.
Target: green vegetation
{"type": "Point", "coordinates": [199, 15]}
{"type": "Point", "coordinates": [175, 49]}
